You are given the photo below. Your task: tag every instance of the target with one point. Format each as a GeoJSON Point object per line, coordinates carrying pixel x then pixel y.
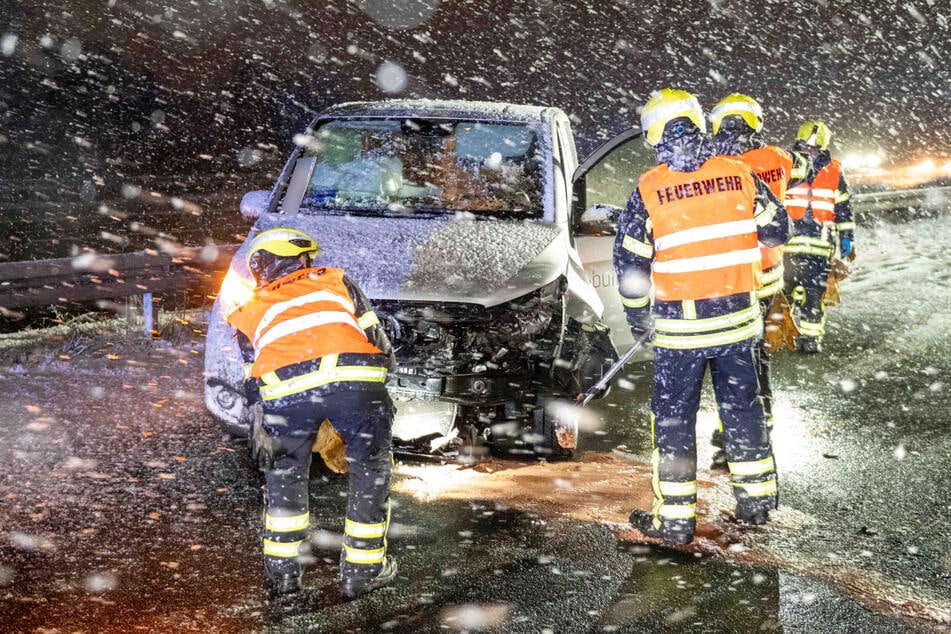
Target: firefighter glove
{"type": "Point", "coordinates": [846, 249]}
{"type": "Point", "coordinates": [329, 444]}
{"type": "Point", "coordinates": [252, 393]}
{"type": "Point", "coordinates": [639, 330]}
{"type": "Point", "coordinates": [262, 446]}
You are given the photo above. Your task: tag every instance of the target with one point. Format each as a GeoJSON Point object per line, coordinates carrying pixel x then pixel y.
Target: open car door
{"type": "Point", "coordinates": [602, 185]}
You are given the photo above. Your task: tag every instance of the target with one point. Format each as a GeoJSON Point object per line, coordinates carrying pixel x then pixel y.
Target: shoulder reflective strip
{"type": "Point", "coordinates": [798, 172]}
{"type": "Point", "coordinates": [667, 111]}
{"type": "Point", "coordinates": [364, 531]}
{"type": "Point", "coordinates": [752, 467]}
{"type": "Point", "coordinates": [677, 511]}
{"type": "Point", "coordinates": [841, 197]}
{"type": "Point", "coordinates": [823, 192]}
{"type": "Point", "coordinates": [708, 232]}
{"type": "Point", "coordinates": [270, 378]}
{"type": "Point", "coordinates": [766, 215]}
{"type": "Point", "coordinates": [845, 226]}
{"type": "Point", "coordinates": [317, 296]}
{"type": "Point", "coordinates": [368, 319]}
{"type": "Point", "coordinates": [689, 308]}
{"type": "Point", "coordinates": [710, 323]}
{"type": "Point", "coordinates": [287, 523]}
{"type": "Point", "coordinates": [360, 556]}
{"type": "Point", "coordinates": [247, 370]}
{"type": "Point", "coordinates": [316, 379]}
{"type": "Point", "coordinates": [304, 322]}
{"type": "Point", "coordinates": [282, 549]}
{"type": "Point", "coordinates": [811, 329]}
{"type": "Point", "coordinates": [637, 247]}
{"type": "Point", "coordinates": [328, 362]}
{"type": "Point", "coordinates": [635, 302]}
{"type": "Point", "coordinates": [678, 488]}
{"type": "Point", "coordinates": [757, 489]}
{"type": "Point", "coordinates": [708, 262]}
{"type": "Point", "coordinates": [686, 342]}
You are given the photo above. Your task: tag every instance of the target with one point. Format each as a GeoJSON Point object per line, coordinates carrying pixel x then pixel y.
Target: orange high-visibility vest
{"type": "Point", "coordinates": [705, 242]}
{"type": "Point", "coordinates": [819, 194]}
{"type": "Point", "coordinates": [301, 317]}
{"type": "Point", "coordinates": [773, 166]}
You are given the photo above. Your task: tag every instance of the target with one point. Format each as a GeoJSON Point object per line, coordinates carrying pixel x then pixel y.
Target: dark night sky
{"type": "Point", "coordinates": [97, 93]}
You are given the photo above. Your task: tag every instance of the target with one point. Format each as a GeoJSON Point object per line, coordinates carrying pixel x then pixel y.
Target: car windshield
{"type": "Point", "coordinates": [412, 166]}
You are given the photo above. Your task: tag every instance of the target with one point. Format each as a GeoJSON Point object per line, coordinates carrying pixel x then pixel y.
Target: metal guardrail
{"type": "Point", "coordinates": [91, 277]}
{"type": "Point", "coordinates": [102, 277]}
{"type": "Point", "coordinates": [902, 199]}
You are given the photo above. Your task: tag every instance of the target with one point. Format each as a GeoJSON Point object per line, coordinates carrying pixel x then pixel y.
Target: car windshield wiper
{"type": "Point", "coordinates": [401, 212]}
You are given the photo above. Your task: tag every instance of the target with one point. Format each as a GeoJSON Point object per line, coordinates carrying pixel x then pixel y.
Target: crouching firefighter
{"type": "Point", "coordinates": [315, 355]}
{"type": "Point", "coordinates": [691, 229]}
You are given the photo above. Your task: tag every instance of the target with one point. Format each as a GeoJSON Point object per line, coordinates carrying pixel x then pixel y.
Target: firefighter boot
{"type": "Point", "coordinates": [809, 345]}
{"type": "Point", "coordinates": [353, 587]}
{"type": "Point", "coordinates": [718, 461]}
{"type": "Point", "coordinates": [756, 516]}
{"type": "Point", "coordinates": [283, 575]}
{"type": "Point", "coordinates": [677, 532]}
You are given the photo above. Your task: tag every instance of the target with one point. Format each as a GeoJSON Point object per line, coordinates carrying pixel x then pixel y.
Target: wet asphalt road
{"type": "Point", "coordinates": [122, 508]}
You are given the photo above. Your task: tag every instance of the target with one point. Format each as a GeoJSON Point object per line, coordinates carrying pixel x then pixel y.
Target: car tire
{"type": "Point", "coordinates": [546, 428]}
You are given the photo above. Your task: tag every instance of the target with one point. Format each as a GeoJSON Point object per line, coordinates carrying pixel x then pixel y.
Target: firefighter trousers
{"type": "Point", "coordinates": [810, 273]}
{"type": "Point", "coordinates": [678, 377]}
{"type": "Point", "coordinates": [364, 419]}
{"type": "Point", "coordinates": [761, 358]}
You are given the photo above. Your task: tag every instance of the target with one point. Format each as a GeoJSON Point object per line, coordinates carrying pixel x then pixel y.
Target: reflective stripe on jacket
{"type": "Point", "coordinates": [301, 317]}
{"type": "Point", "coordinates": [820, 195]}
{"type": "Point", "coordinates": [704, 230]}
{"type": "Point", "coordinates": [774, 167]}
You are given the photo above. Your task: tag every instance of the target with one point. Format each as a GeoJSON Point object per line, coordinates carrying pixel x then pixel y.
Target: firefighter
{"type": "Point", "coordinates": [822, 219]}
{"type": "Point", "coordinates": [316, 356]}
{"type": "Point", "coordinates": [737, 121]}
{"type": "Point", "coordinates": [689, 237]}
{"type": "Point", "coordinates": [821, 210]}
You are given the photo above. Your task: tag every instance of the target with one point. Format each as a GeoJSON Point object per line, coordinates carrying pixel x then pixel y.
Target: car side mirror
{"type": "Point", "coordinates": [255, 204]}
{"type": "Point", "coordinates": [600, 220]}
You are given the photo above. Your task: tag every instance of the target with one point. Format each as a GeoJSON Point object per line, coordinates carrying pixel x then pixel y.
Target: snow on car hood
{"type": "Point", "coordinates": [432, 259]}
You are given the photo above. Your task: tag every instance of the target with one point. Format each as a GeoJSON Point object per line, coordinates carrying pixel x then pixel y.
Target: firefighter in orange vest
{"type": "Point", "coordinates": [737, 121]}
{"type": "Point", "coordinates": [689, 237]}
{"type": "Point", "coordinates": [315, 354]}
{"type": "Point", "coordinates": [822, 219]}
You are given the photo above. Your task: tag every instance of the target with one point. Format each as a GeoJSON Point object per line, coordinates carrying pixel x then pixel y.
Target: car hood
{"type": "Point", "coordinates": [432, 259]}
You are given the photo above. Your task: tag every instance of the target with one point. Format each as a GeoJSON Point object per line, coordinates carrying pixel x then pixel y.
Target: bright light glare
{"type": "Point", "coordinates": [925, 167]}
{"type": "Point", "coordinates": [235, 291]}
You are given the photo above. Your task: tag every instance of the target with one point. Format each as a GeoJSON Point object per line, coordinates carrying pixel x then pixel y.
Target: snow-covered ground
{"type": "Point", "coordinates": [121, 506]}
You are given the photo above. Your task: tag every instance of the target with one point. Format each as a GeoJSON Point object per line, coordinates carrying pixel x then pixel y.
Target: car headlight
{"type": "Point", "coordinates": [235, 291]}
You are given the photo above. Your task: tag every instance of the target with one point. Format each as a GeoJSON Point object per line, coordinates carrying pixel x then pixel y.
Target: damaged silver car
{"type": "Point", "coordinates": [457, 220]}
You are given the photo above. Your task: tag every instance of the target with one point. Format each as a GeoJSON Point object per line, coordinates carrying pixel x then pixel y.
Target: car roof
{"type": "Point", "coordinates": [437, 108]}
